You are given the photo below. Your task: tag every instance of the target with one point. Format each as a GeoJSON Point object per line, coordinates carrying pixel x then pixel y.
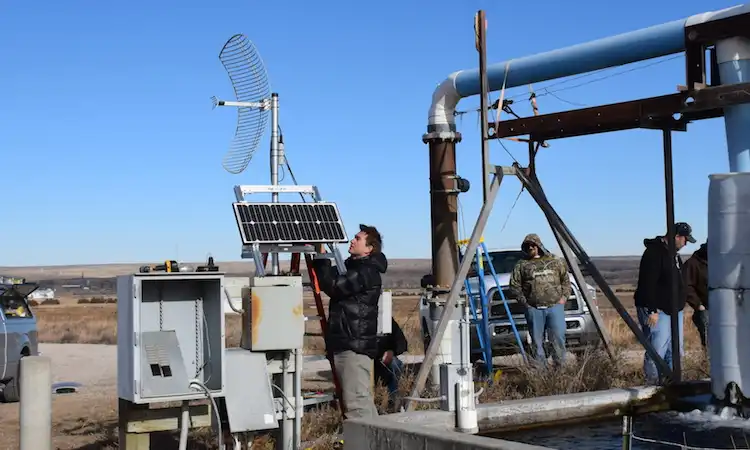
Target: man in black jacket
{"type": "Point", "coordinates": [352, 335]}
{"type": "Point", "coordinates": [652, 296]}
{"type": "Point", "coordinates": [695, 273]}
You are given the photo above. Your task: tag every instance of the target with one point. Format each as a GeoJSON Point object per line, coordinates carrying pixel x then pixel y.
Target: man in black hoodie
{"type": "Point", "coordinates": [352, 335]}
{"type": "Point", "coordinates": [652, 296]}
{"type": "Point", "coordinates": [695, 273]}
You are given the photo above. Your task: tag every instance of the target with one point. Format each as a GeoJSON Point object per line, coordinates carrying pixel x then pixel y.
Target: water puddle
{"type": "Point", "coordinates": [702, 429]}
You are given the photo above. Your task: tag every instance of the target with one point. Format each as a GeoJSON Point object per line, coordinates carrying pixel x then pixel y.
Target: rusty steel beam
{"type": "Point", "coordinates": [653, 113]}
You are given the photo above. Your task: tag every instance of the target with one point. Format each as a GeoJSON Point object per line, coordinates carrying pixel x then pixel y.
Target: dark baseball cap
{"type": "Point", "coordinates": [684, 230]}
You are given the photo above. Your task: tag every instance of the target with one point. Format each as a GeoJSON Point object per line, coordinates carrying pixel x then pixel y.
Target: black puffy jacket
{"type": "Point", "coordinates": [652, 291]}
{"type": "Point", "coordinates": [353, 309]}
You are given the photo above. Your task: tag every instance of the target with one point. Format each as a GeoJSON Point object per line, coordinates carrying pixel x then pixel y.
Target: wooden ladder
{"type": "Point", "coordinates": [295, 269]}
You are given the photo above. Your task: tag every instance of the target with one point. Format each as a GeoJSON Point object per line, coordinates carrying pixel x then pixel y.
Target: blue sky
{"type": "Point", "coordinates": [112, 152]}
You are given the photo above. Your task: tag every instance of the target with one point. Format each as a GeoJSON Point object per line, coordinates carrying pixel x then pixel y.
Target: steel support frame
{"type": "Point", "coordinates": [673, 275]}
{"type": "Point", "coordinates": [672, 111]}
{"type": "Point", "coordinates": [530, 182]}
{"type": "Point", "coordinates": [667, 113]}
{"type": "Point", "coordinates": [699, 37]}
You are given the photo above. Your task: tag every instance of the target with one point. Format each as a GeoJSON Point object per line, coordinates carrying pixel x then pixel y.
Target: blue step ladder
{"type": "Point", "coordinates": [482, 324]}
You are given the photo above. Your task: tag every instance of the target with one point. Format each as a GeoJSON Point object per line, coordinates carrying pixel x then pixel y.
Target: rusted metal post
{"type": "Point", "coordinates": [672, 275]}
{"type": "Point", "coordinates": [444, 209]}
{"type": "Point", "coordinates": [480, 26]}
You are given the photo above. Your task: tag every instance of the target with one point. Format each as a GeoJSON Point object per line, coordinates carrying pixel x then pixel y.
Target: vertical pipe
{"type": "Point", "coordinates": [288, 388]}
{"type": "Point", "coordinates": [444, 210]}
{"type": "Point", "coordinates": [672, 275]}
{"type": "Point", "coordinates": [727, 224]}
{"type": "Point", "coordinates": [184, 425]}
{"type": "Point", "coordinates": [444, 224]}
{"type": "Point", "coordinates": [275, 165]}
{"type": "Point", "coordinates": [627, 432]}
{"type": "Point", "coordinates": [298, 401]}
{"type": "Point", "coordinates": [482, 48]}
{"type": "Point", "coordinates": [733, 57]}
{"type": "Point", "coordinates": [466, 412]}
{"type": "Point", "coordinates": [36, 403]}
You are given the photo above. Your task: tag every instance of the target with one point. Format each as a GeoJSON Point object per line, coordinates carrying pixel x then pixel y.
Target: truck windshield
{"type": "Point", "coordinates": [503, 262]}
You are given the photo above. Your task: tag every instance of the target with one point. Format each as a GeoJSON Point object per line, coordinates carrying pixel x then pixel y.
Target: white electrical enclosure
{"type": "Point", "coordinates": [385, 313]}
{"type": "Point", "coordinates": [170, 331]}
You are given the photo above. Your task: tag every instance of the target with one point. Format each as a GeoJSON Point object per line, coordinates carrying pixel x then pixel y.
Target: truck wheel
{"type": "Point", "coordinates": [12, 390]}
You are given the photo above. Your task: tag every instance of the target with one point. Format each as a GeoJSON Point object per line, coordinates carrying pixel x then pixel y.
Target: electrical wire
{"type": "Point", "coordinates": [286, 399]}
{"type": "Point", "coordinates": [202, 387]}
{"type": "Point", "coordinates": [547, 90]}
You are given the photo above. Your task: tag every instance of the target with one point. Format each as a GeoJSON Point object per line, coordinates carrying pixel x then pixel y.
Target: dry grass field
{"type": "Point", "coordinates": [82, 422]}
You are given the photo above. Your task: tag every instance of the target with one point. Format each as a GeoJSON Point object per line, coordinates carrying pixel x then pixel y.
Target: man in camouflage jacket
{"type": "Point", "coordinates": [541, 282]}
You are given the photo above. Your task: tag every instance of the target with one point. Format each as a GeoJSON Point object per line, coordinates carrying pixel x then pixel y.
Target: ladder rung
{"type": "Point", "coordinates": [312, 318]}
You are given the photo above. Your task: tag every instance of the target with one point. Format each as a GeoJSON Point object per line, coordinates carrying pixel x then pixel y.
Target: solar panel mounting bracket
{"type": "Point", "coordinates": [240, 191]}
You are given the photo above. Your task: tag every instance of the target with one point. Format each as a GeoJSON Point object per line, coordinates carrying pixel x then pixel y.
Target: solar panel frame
{"type": "Point", "coordinates": [289, 223]}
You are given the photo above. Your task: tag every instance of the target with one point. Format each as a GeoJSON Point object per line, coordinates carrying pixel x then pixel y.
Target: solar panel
{"type": "Point", "coordinates": [290, 223]}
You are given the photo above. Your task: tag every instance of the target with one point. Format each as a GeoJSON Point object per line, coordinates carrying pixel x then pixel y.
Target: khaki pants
{"type": "Point", "coordinates": [355, 374]}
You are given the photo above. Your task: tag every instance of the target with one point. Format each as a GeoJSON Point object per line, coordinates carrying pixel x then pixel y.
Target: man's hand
{"type": "Point", "coordinates": [562, 301]}
{"type": "Point", "coordinates": [388, 358]}
{"type": "Point", "coordinates": [701, 308]}
{"type": "Point", "coordinates": [653, 319]}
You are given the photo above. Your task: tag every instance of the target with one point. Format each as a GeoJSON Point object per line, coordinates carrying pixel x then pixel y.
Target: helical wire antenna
{"type": "Point", "coordinates": [249, 79]}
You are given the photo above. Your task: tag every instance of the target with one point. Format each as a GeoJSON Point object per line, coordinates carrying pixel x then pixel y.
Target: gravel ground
{"type": "Point", "coordinates": [93, 366]}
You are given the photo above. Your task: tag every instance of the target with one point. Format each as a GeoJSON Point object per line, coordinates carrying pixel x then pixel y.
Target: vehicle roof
{"type": "Point", "coordinates": [503, 250]}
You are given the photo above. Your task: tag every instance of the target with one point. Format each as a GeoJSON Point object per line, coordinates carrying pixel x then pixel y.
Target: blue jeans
{"type": "Point", "coordinates": [660, 337]}
{"type": "Point", "coordinates": [551, 320]}
{"type": "Point", "coordinates": [396, 367]}
{"type": "Point", "coordinates": [390, 374]}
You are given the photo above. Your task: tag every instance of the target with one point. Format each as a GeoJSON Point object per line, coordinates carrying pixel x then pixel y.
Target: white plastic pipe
{"type": "Point", "coordinates": [728, 281]}
{"type": "Point", "coordinates": [184, 426]}
{"type": "Point", "coordinates": [466, 411]}
{"type": "Point", "coordinates": [36, 403]}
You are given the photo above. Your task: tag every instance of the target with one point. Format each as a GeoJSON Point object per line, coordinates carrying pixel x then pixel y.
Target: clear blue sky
{"type": "Point", "coordinates": [111, 152]}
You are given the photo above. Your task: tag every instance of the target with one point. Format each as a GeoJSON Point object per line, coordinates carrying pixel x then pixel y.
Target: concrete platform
{"type": "Point", "coordinates": [383, 434]}
{"type": "Point", "coordinates": [417, 429]}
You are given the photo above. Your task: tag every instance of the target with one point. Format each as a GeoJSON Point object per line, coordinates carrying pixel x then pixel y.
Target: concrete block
{"type": "Point", "coordinates": [380, 433]}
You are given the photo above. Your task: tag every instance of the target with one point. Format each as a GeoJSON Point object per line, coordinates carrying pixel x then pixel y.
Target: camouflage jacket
{"type": "Point", "coordinates": [540, 281]}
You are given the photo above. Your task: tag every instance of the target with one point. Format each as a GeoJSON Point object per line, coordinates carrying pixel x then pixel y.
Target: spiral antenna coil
{"type": "Point", "coordinates": [249, 80]}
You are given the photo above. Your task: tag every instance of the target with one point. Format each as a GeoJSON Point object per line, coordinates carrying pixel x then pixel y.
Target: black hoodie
{"type": "Point", "coordinates": [695, 273]}
{"type": "Point", "coordinates": [353, 309]}
{"type": "Point", "coordinates": [652, 291]}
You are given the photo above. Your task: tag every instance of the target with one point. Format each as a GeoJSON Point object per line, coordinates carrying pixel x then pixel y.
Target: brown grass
{"type": "Point", "coordinates": [97, 324]}
{"type": "Point", "coordinates": [91, 423]}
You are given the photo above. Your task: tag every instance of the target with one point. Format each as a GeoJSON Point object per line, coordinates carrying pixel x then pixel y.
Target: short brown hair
{"type": "Point", "coordinates": [373, 238]}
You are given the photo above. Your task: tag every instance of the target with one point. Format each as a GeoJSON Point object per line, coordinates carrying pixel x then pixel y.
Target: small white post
{"type": "Point", "coordinates": [36, 403]}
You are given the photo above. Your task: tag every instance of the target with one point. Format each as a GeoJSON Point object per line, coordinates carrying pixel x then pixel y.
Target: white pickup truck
{"type": "Point", "coordinates": [18, 336]}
